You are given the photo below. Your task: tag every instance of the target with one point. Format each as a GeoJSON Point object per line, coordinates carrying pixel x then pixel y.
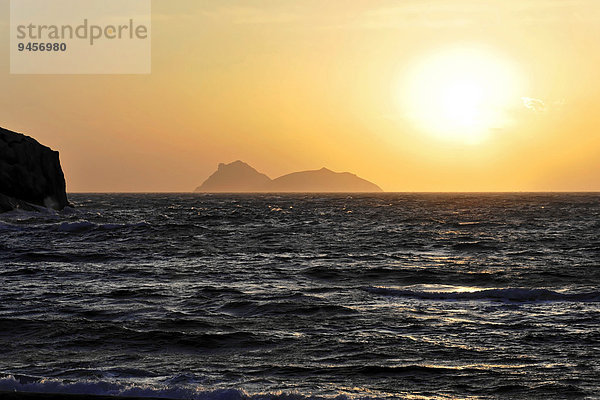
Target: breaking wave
{"type": "Point", "coordinates": [25, 384]}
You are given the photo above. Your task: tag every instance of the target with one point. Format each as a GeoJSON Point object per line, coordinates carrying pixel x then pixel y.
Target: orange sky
{"type": "Point", "coordinates": [293, 85]}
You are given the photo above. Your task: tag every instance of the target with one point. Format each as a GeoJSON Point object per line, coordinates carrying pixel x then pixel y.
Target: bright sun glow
{"type": "Point", "coordinates": [460, 94]}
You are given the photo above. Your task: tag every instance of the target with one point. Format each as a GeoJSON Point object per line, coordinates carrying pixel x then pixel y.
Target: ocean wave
{"type": "Point", "coordinates": [377, 370]}
{"type": "Point", "coordinates": [9, 227]}
{"type": "Point", "coordinates": [52, 222]}
{"type": "Point", "coordinates": [53, 256]}
{"type": "Point", "coordinates": [100, 388]}
{"type": "Point", "coordinates": [84, 226]}
{"type": "Point", "coordinates": [74, 227]}
{"type": "Point", "coordinates": [323, 273]}
{"type": "Point", "coordinates": [250, 308]}
{"type": "Point", "coordinates": [41, 213]}
{"type": "Point", "coordinates": [25, 384]}
{"type": "Point", "coordinates": [506, 295]}
{"type": "Point", "coordinates": [474, 246]}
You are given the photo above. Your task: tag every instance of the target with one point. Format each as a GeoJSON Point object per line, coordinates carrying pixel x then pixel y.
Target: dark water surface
{"type": "Point", "coordinates": [363, 296]}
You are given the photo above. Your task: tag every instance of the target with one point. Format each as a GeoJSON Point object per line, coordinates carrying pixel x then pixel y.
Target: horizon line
{"type": "Point", "coordinates": [378, 193]}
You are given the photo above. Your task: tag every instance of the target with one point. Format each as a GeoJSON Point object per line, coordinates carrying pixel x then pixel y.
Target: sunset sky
{"type": "Point", "coordinates": [414, 95]}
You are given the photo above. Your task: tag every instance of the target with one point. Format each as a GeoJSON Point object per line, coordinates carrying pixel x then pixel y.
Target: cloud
{"type": "Point", "coordinates": [535, 105]}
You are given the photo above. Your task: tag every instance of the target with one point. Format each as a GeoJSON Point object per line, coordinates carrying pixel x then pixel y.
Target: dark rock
{"type": "Point", "coordinates": [30, 174]}
{"type": "Point", "coordinates": [239, 177]}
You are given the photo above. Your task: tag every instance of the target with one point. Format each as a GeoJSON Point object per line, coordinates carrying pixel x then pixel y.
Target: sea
{"type": "Point", "coordinates": [304, 296]}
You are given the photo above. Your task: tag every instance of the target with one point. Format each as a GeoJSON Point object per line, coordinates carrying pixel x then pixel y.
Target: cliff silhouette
{"type": "Point", "coordinates": [30, 174]}
{"type": "Point", "coordinates": [239, 177]}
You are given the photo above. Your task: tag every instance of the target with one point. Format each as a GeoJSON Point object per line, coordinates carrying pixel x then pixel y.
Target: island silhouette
{"type": "Point", "coordinates": [239, 177]}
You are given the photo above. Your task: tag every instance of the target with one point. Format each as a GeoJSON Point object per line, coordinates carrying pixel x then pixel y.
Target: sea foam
{"type": "Point", "coordinates": [26, 384]}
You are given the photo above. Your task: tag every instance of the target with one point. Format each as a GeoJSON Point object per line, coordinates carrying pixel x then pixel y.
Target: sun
{"type": "Point", "coordinates": [460, 94]}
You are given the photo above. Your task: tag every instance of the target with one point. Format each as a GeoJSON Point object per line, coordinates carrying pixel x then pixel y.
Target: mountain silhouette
{"type": "Point", "coordinates": [323, 180]}
{"type": "Point", "coordinates": [239, 177]}
{"type": "Point", "coordinates": [235, 177]}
